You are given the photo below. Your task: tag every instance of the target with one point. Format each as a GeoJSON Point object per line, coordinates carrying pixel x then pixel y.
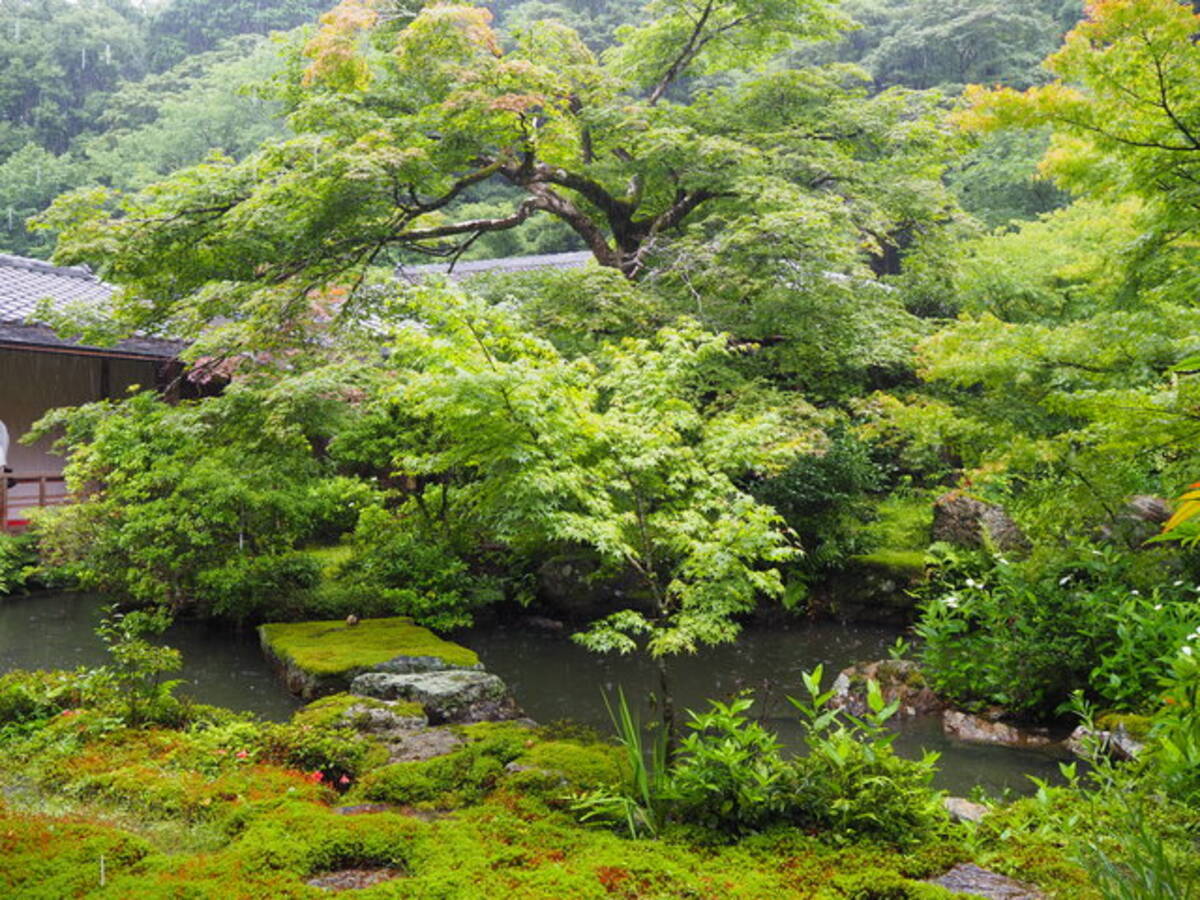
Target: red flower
{"type": "Point", "coordinates": [343, 780]}
{"type": "Point", "coordinates": [316, 777]}
{"type": "Point", "coordinates": [241, 754]}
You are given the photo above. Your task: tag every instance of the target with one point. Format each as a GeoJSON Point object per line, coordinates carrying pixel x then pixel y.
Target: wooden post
{"type": "Point", "coordinates": [41, 490]}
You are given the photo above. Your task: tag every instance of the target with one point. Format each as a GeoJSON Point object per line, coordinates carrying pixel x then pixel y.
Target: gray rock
{"type": "Point", "coordinates": [426, 743]}
{"type": "Point", "coordinates": [456, 695]}
{"type": "Point", "coordinates": [1116, 743]}
{"type": "Point", "coordinates": [571, 586]}
{"type": "Point", "coordinates": [970, 879]}
{"type": "Point", "coordinates": [407, 665]}
{"type": "Point", "coordinates": [898, 679]}
{"type": "Point", "coordinates": [963, 810]}
{"type": "Point", "coordinates": [981, 730]}
{"type": "Point", "coordinates": [1140, 519]}
{"type": "Point", "coordinates": [963, 521]}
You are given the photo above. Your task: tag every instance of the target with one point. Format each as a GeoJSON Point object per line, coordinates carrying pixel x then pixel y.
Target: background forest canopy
{"type": "Point", "coordinates": [833, 283]}
{"type": "Point", "coordinates": [121, 94]}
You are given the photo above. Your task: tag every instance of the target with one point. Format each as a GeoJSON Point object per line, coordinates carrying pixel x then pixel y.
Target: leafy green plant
{"type": "Point", "coordinates": [850, 783]}
{"type": "Point", "coordinates": [729, 775]}
{"type": "Point", "coordinates": [17, 561]}
{"type": "Point", "coordinates": [137, 664]}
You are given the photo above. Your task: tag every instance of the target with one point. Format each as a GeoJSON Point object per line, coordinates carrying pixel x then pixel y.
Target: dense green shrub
{"type": "Point", "coordinates": [274, 586]}
{"type": "Point", "coordinates": [27, 696]}
{"type": "Point", "coordinates": [397, 566]}
{"type": "Point", "coordinates": [201, 503]}
{"type": "Point", "coordinates": [729, 775]}
{"type": "Point", "coordinates": [1025, 636]}
{"type": "Point", "coordinates": [18, 556]}
{"type": "Point", "coordinates": [823, 498]}
{"type": "Point", "coordinates": [339, 754]}
{"type": "Point", "coordinates": [850, 783]}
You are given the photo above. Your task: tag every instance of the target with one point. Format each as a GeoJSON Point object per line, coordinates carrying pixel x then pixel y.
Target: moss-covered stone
{"type": "Point", "coordinates": [1133, 725]}
{"type": "Point", "coordinates": [322, 657]}
{"type": "Point", "coordinates": [348, 710]}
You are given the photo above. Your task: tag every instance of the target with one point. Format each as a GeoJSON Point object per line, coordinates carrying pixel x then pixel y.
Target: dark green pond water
{"type": "Point", "coordinates": [552, 677]}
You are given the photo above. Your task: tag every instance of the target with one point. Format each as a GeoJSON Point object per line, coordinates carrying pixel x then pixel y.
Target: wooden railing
{"type": "Point", "coordinates": [14, 500]}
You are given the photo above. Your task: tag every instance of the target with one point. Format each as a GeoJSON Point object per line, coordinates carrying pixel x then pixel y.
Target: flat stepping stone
{"type": "Point", "coordinates": [457, 695]}
{"type": "Point", "coordinates": [425, 744]}
{"type": "Point", "coordinates": [970, 879]}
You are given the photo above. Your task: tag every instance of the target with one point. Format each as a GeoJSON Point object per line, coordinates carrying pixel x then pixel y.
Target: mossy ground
{"type": "Point", "coordinates": [906, 564]}
{"type": "Point", "coordinates": [222, 806]}
{"type": "Point", "coordinates": [333, 648]}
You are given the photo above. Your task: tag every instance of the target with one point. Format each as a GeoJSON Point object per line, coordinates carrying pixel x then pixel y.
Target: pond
{"type": "Point", "coordinates": [552, 677]}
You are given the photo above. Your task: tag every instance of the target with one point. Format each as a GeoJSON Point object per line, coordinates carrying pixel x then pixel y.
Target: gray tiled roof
{"type": "Point", "coordinates": [25, 283]}
{"type": "Point", "coordinates": [573, 260]}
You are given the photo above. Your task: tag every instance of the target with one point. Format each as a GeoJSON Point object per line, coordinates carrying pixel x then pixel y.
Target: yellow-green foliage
{"type": "Point", "coordinates": [335, 648]}
{"type": "Point", "coordinates": [329, 712]}
{"type": "Point", "coordinates": [904, 523]}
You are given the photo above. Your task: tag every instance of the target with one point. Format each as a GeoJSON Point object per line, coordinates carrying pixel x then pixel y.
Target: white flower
{"type": "Point", "coordinates": [950, 602]}
{"type": "Point", "coordinates": [1135, 593]}
{"type": "Point", "coordinates": [1178, 583]}
{"type": "Point", "coordinates": [972, 583]}
{"type": "Point", "coordinates": [1157, 607]}
{"type": "Point", "coordinates": [1186, 651]}
{"type": "Point", "coordinates": [1064, 580]}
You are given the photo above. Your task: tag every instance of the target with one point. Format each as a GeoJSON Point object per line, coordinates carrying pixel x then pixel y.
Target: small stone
{"type": "Point", "coordinates": [362, 809]}
{"type": "Point", "coordinates": [970, 879]}
{"type": "Point", "coordinates": [963, 810]}
{"type": "Point", "coordinates": [1116, 743]}
{"type": "Point", "coordinates": [353, 879]}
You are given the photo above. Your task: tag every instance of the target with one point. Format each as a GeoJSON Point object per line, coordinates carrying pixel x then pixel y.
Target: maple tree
{"type": "Point", "coordinates": [398, 122]}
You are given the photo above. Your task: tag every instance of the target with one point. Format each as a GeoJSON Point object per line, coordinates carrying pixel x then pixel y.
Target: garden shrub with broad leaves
{"type": "Point", "coordinates": [730, 776]}
{"type": "Point", "coordinates": [1026, 635]}
{"type": "Point", "coordinates": [201, 502]}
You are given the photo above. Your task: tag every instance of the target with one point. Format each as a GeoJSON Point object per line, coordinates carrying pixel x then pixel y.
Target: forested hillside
{"type": "Point", "coordinates": [888, 317]}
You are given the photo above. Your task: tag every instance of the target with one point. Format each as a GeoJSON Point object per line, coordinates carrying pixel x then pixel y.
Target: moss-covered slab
{"type": "Point", "coordinates": [318, 658]}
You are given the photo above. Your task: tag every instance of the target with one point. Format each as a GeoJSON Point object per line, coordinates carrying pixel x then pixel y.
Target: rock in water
{"type": "Point", "coordinates": [970, 879]}
{"type": "Point", "coordinates": [452, 696]}
{"type": "Point", "coordinates": [963, 521]}
{"type": "Point", "coordinates": [898, 679]}
{"type": "Point", "coordinates": [980, 730]}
